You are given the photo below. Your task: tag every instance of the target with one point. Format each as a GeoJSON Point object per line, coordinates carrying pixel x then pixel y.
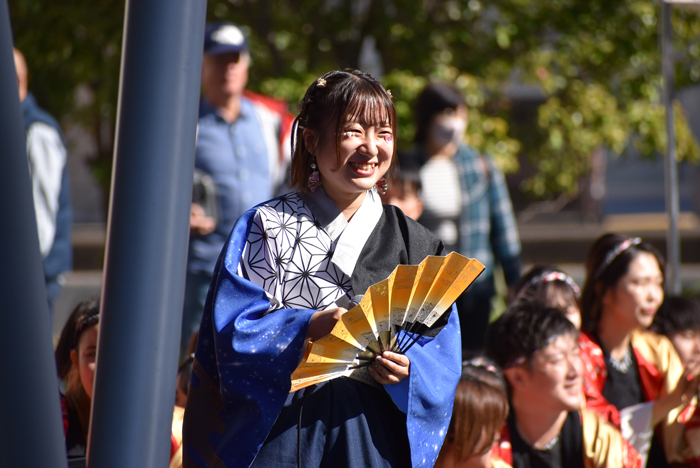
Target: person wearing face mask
{"type": "Point", "coordinates": [466, 200]}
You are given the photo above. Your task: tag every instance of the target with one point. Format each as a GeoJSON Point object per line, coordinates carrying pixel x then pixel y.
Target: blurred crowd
{"type": "Point", "coordinates": [605, 373]}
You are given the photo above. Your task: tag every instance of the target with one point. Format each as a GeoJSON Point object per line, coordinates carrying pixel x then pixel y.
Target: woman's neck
{"type": "Point", "coordinates": [537, 427]}
{"type": "Point", "coordinates": [614, 337]}
{"type": "Point", "coordinates": [348, 205]}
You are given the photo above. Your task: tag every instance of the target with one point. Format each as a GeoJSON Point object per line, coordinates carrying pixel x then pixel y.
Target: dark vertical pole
{"type": "Point", "coordinates": [147, 234]}
{"type": "Point", "coordinates": [30, 419]}
{"type": "Point", "coordinates": [673, 282]}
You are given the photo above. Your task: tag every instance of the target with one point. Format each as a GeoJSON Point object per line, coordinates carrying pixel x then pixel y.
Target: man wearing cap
{"type": "Point", "coordinates": [242, 149]}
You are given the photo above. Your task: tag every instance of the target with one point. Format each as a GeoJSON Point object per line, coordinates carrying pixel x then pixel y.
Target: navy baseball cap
{"type": "Point", "coordinates": [220, 38]}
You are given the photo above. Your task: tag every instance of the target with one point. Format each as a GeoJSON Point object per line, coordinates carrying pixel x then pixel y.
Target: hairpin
{"type": "Point", "coordinates": [84, 323]}
{"type": "Point", "coordinates": [548, 277]}
{"type": "Point", "coordinates": [614, 253]}
{"type": "Point", "coordinates": [480, 363]}
{"type": "Point", "coordinates": [321, 83]}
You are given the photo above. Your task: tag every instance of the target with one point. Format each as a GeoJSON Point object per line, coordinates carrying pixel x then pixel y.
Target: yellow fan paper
{"type": "Point", "coordinates": [412, 299]}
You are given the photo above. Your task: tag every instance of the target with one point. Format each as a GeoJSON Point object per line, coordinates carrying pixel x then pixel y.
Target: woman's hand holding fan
{"type": "Point", "coordinates": [392, 315]}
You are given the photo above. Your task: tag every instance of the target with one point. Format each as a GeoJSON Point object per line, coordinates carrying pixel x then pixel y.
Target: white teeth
{"type": "Point", "coordinates": [362, 167]}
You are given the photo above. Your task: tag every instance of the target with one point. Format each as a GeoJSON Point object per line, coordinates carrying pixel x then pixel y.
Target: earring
{"type": "Point", "coordinates": [314, 178]}
{"type": "Point", "coordinates": [382, 186]}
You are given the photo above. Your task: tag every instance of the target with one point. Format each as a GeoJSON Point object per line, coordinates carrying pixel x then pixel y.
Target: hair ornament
{"type": "Point", "coordinates": [614, 253]}
{"type": "Point", "coordinates": [388, 91]}
{"type": "Point", "coordinates": [321, 83]}
{"type": "Point", "coordinates": [549, 277]}
{"type": "Point", "coordinates": [382, 186]}
{"type": "Point", "coordinates": [314, 178]}
{"type": "Point", "coordinates": [83, 324]}
{"type": "Point", "coordinates": [481, 364]}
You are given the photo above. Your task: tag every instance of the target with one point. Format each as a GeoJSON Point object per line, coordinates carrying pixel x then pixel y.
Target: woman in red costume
{"type": "Point", "coordinates": [632, 376]}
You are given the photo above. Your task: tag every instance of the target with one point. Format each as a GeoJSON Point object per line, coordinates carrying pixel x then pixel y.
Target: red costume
{"type": "Point", "coordinates": [659, 370]}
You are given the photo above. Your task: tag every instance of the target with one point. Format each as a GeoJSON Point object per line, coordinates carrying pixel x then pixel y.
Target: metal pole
{"type": "Point", "coordinates": [673, 283]}
{"type": "Point", "coordinates": [31, 433]}
{"type": "Point", "coordinates": [147, 234]}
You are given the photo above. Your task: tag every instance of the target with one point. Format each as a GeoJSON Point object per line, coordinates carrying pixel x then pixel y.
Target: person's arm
{"type": "Point", "coordinates": [685, 389]}
{"type": "Point", "coordinates": [505, 241]}
{"type": "Point", "coordinates": [47, 158]}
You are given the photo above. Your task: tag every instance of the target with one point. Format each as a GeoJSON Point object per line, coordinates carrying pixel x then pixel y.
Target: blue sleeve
{"type": "Point", "coordinates": [243, 363]}
{"type": "Point", "coordinates": [428, 394]}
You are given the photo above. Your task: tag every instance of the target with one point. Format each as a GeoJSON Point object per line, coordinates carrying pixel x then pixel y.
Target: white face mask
{"type": "Point", "coordinates": [448, 130]}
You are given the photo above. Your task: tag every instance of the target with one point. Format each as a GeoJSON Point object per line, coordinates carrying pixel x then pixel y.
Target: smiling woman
{"type": "Point", "coordinates": [291, 268]}
{"type": "Point", "coordinates": [631, 373]}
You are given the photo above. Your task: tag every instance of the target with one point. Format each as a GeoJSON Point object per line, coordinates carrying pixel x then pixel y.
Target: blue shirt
{"type": "Point", "coordinates": [236, 156]}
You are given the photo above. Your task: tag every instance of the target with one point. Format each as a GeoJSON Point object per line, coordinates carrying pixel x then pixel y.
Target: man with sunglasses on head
{"type": "Point", "coordinates": [241, 156]}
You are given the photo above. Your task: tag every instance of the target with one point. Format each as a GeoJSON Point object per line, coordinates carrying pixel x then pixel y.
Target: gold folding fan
{"type": "Point", "coordinates": [411, 299]}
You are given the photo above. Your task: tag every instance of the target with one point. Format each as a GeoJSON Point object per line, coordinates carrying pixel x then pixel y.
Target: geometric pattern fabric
{"type": "Point", "coordinates": [289, 255]}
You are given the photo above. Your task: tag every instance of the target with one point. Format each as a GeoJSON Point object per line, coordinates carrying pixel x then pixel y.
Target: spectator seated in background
{"type": "Point", "coordinates": [404, 189]}
{"type": "Point", "coordinates": [77, 345]}
{"type": "Point", "coordinates": [536, 348]}
{"type": "Point", "coordinates": [633, 377]}
{"type": "Point", "coordinates": [479, 412]}
{"type": "Point", "coordinates": [551, 287]}
{"type": "Point", "coordinates": [678, 319]}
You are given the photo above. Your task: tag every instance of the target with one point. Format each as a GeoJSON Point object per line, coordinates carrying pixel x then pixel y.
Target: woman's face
{"type": "Point", "coordinates": [558, 300]}
{"type": "Point", "coordinates": [84, 358]}
{"type": "Point", "coordinates": [637, 295]}
{"type": "Point", "coordinates": [365, 156]}
{"type": "Point", "coordinates": [687, 344]}
{"type": "Point", "coordinates": [448, 127]}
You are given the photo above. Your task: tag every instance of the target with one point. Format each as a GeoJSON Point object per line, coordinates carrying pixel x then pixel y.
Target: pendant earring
{"type": "Point", "coordinates": [382, 186]}
{"type": "Point", "coordinates": [314, 178]}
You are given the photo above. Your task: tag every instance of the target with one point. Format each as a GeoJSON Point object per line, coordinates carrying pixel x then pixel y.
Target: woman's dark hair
{"type": "Point", "coordinates": [433, 100]}
{"type": "Point", "coordinates": [677, 314]}
{"type": "Point", "coordinates": [525, 328]}
{"type": "Point", "coordinates": [67, 340]}
{"type": "Point", "coordinates": [184, 372]}
{"type": "Point", "coordinates": [336, 98]}
{"type": "Point", "coordinates": [480, 409]}
{"type": "Point", "coordinates": [84, 316]}
{"type": "Point", "coordinates": [606, 263]}
{"type": "Point", "coordinates": [535, 285]}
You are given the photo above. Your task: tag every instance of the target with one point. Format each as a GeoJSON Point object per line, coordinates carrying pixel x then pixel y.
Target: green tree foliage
{"type": "Point", "coordinates": [593, 64]}
{"type": "Point", "coordinates": [71, 44]}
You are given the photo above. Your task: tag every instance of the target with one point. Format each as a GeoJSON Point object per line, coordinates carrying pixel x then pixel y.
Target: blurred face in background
{"type": "Point", "coordinates": [558, 300]}
{"type": "Point", "coordinates": [551, 379]}
{"type": "Point", "coordinates": [636, 297]}
{"type": "Point", "coordinates": [84, 358]}
{"type": "Point", "coordinates": [405, 196]}
{"type": "Point", "coordinates": [225, 75]}
{"type": "Point", "coordinates": [687, 344]}
{"type": "Point", "coordinates": [448, 127]}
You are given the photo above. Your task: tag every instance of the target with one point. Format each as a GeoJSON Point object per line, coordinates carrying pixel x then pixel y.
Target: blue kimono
{"type": "Point", "coordinates": [286, 259]}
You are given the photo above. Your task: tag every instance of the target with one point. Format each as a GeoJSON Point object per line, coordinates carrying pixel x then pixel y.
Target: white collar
{"type": "Point", "coordinates": [351, 236]}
